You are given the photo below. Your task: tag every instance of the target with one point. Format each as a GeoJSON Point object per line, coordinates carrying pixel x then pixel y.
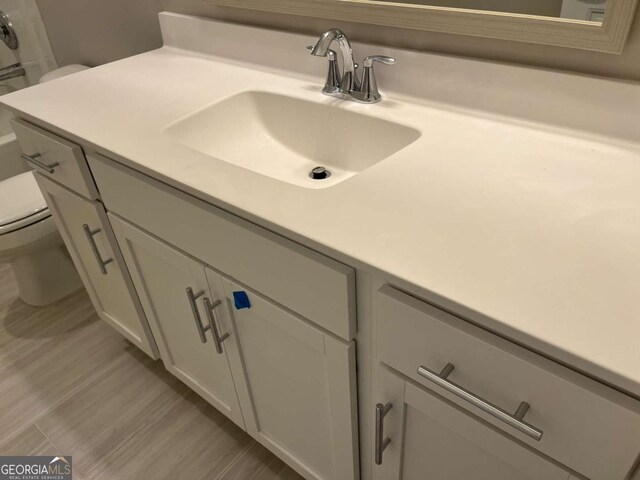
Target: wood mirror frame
{"type": "Point", "coordinates": [610, 36]}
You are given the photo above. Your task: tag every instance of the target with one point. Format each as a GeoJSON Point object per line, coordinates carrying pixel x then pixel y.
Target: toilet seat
{"type": "Point", "coordinates": [21, 203]}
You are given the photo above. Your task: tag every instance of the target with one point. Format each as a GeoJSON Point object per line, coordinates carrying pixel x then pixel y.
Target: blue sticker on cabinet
{"type": "Point", "coordinates": [241, 300]}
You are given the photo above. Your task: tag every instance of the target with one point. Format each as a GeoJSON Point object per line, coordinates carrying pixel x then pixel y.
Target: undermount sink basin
{"type": "Point", "coordinates": [285, 138]}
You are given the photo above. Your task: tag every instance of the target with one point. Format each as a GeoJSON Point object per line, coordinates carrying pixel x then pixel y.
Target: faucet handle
{"type": "Point", "coordinates": [333, 75]}
{"type": "Point", "coordinates": [368, 62]}
{"type": "Point", "coordinates": [368, 89]}
{"type": "Point", "coordinates": [331, 54]}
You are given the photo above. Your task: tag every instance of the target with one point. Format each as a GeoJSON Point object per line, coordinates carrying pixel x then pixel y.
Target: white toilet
{"type": "Point", "coordinates": [29, 239]}
{"type": "Point", "coordinates": [30, 242]}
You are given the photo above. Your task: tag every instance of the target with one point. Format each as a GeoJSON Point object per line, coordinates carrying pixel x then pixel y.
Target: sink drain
{"type": "Point", "coordinates": [319, 173]}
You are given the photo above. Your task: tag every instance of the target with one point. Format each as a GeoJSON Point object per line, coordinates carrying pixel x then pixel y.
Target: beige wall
{"type": "Point", "coordinates": [93, 32]}
{"type": "Point", "coordinates": [97, 31]}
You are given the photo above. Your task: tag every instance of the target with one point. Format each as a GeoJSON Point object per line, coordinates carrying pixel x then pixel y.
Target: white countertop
{"type": "Point", "coordinates": [532, 231]}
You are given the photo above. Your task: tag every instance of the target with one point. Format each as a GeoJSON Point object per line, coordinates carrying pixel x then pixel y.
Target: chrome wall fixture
{"type": "Point", "coordinates": [7, 32]}
{"type": "Point", "coordinates": [12, 71]}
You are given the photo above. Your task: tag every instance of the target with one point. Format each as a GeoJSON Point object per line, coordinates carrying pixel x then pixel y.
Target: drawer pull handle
{"type": "Point", "coordinates": [211, 315]}
{"type": "Point", "coordinates": [33, 160]}
{"type": "Point", "coordinates": [196, 314]}
{"type": "Point", "coordinates": [516, 420]}
{"type": "Point", "coordinates": [94, 248]}
{"type": "Point", "coordinates": [209, 307]}
{"type": "Point", "coordinates": [381, 442]}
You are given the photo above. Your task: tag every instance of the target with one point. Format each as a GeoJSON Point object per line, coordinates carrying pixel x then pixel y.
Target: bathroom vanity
{"type": "Point", "coordinates": [456, 300]}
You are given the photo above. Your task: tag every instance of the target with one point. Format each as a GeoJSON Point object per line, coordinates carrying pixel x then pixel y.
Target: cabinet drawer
{"type": "Point", "coordinates": [429, 438]}
{"type": "Point", "coordinates": [55, 157]}
{"type": "Point", "coordinates": [585, 425]}
{"type": "Point", "coordinates": [315, 286]}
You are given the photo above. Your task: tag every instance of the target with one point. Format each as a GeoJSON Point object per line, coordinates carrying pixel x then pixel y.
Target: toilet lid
{"type": "Point", "coordinates": [21, 203]}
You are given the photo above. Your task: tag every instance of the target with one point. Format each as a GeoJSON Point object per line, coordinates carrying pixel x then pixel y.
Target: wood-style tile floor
{"type": "Point", "coordinates": [70, 385]}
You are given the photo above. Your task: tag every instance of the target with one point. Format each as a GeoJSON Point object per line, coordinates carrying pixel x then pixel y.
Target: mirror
{"type": "Point", "coordinates": [600, 25]}
{"type": "Point", "coordinates": [588, 10]}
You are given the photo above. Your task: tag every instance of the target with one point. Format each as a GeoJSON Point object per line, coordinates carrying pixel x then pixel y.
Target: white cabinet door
{"type": "Point", "coordinates": [176, 297]}
{"type": "Point", "coordinates": [87, 234]}
{"type": "Point", "coordinates": [299, 397]}
{"type": "Point", "coordinates": [429, 438]}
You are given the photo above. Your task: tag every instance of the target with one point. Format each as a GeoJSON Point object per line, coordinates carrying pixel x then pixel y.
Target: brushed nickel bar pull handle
{"type": "Point", "coordinates": [94, 248]}
{"type": "Point", "coordinates": [516, 420]}
{"type": "Point", "coordinates": [381, 442]}
{"type": "Point", "coordinates": [217, 339]}
{"type": "Point", "coordinates": [196, 314]}
{"type": "Point", "coordinates": [33, 160]}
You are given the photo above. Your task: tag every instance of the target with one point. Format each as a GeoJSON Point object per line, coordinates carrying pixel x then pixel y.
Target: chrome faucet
{"type": "Point", "coordinates": [321, 49]}
{"type": "Point", "coordinates": [348, 86]}
{"type": "Point", "coordinates": [12, 71]}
